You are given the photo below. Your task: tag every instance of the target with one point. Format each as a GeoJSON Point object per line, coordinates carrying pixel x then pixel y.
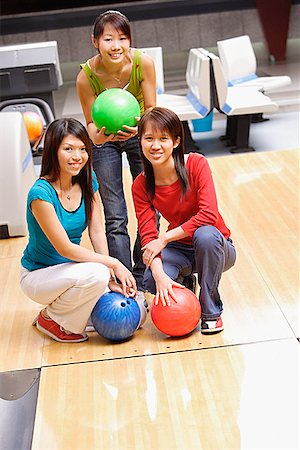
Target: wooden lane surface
{"type": "Point", "coordinates": [262, 208]}
{"type": "Point", "coordinates": [222, 398]}
{"type": "Point", "coordinates": [261, 293]}
{"type": "Point", "coordinates": [251, 314]}
{"type": "Point", "coordinates": [20, 348]}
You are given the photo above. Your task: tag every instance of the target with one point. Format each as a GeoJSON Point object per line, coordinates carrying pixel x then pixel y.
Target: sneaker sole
{"type": "Point", "coordinates": [34, 322]}
{"type": "Point", "coordinates": [214, 331]}
{"type": "Point", "coordinates": [48, 333]}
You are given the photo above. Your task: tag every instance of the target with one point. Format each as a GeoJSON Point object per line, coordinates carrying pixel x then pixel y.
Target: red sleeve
{"type": "Point", "coordinates": [201, 181]}
{"type": "Point", "coordinates": [144, 210]}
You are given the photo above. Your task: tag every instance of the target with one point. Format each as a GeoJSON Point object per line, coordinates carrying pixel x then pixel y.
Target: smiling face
{"type": "Point", "coordinates": [157, 145]}
{"type": "Point", "coordinates": [113, 44]}
{"type": "Point", "coordinates": [72, 156]}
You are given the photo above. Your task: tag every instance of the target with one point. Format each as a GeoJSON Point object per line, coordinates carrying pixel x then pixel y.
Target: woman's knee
{"type": "Point", "coordinates": [93, 274]}
{"type": "Point", "coordinates": [207, 237]}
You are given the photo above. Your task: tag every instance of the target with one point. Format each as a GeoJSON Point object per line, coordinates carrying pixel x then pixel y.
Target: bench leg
{"type": "Point", "coordinates": [189, 143]}
{"type": "Point", "coordinates": [238, 131]}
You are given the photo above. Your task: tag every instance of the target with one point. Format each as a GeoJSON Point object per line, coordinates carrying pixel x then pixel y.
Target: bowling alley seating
{"type": "Point", "coordinates": [239, 65]}
{"type": "Point", "coordinates": [194, 105]}
{"type": "Point", "coordinates": [238, 103]}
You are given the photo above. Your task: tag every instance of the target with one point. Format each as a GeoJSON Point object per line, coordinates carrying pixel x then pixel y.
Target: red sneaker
{"type": "Point", "coordinates": [56, 332]}
{"type": "Point", "coordinates": [211, 326]}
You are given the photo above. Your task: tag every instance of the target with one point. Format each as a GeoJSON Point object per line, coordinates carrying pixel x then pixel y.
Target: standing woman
{"type": "Point", "coordinates": [197, 238]}
{"type": "Point", "coordinates": [56, 271]}
{"type": "Point", "coordinates": [116, 65]}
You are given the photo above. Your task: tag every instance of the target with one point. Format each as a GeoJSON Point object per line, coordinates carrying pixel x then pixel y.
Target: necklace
{"type": "Point", "coordinates": [118, 78]}
{"type": "Point", "coordinates": [68, 196]}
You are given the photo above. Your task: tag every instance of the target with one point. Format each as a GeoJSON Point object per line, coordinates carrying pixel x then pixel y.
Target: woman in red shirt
{"type": "Point", "coordinates": [197, 239]}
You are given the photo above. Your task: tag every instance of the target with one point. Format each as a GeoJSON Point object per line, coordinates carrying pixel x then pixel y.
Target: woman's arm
{"type": "Point", "coordinates": [148, 83]}
{"type": "Point", "coordinates": [47, 219]}
{"type": "Point", "coordinates": [154, 247]}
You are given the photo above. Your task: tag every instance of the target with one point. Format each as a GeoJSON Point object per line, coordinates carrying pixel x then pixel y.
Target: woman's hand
{"type": "Point", "coordinates": [117, 287]}
{"type": "Point", "coordinates": [152, 249]}
{"type": "Point", "coordinates": [164, 289]}
{"type": "Point", "coordinates": [125, 277]}
{"type": "Point", "coordinates": [127, 132]}
{"type": "Point", "coordinates": [100, 137]}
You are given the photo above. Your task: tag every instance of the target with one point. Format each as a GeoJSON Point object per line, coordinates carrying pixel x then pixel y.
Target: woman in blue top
{"type": "Point", "coordinates": [56, 271]}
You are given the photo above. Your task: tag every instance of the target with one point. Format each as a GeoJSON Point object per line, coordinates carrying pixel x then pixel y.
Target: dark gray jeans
{"type": "Point", "coordinates": [108, 165]}
{"type": "Point", "coordinates": [210, 255]}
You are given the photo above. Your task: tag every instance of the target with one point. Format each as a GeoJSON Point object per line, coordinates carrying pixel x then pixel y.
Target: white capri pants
{"type": "Point", "coordinates": [69, 290]}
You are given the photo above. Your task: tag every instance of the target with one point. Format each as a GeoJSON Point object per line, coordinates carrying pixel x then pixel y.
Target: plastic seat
{"type": "Point", "coordinates": [194, 105]}
{"type": "Point", "coordinates": [239, 63]}
{"type": "Point", "coordinates": [237, 100]}
{"type": "Point", "coordinates": [238, 103]}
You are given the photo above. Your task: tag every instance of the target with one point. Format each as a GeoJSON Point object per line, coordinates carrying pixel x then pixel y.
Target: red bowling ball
{"type": "Point", "coordinates": [179, 318]}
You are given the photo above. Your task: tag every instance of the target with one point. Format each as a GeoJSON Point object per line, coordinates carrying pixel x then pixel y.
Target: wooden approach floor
{"type": "Point", "coordinates": [235, 390]}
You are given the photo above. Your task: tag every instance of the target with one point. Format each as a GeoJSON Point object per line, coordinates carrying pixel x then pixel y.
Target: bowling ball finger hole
{"type": "Point", "coordinates": [123, 304]}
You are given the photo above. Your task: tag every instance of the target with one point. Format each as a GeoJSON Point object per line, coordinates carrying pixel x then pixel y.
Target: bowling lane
{"type": "Point", "coordinates": [260, 293]}
{"type": "Point", "coordinates": [21, 347]}
{"type": "Point", "coordinates": [221, 398]}
{"type": "Point", "coordinates": [12, 247]}
{"type": "Point", "coordinates": [264, 218]}
{"type": "Point", "coordinates": [251, 314]}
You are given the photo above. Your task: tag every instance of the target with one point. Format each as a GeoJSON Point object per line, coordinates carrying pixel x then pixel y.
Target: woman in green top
{"type": "Point", "coordinates": [116, 65]}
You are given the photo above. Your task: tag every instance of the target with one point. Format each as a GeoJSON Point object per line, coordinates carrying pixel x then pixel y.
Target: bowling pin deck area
{"type": "Point", "coordinates": [235, 390]}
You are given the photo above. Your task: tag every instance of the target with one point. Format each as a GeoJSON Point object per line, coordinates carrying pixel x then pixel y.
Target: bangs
{"type": "Point", "coordinates": [114, 18]}
{"type": "Point", "coordinates": [160, 120]}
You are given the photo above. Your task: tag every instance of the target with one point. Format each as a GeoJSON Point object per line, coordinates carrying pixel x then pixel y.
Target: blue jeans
{"type": "Point", "coordinates": [108, 166]}
{"type": "Point", "coordinates": [210, 255]}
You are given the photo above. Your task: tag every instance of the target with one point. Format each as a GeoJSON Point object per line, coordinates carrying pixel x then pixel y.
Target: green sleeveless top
{"type": "Point", "coordinates": [134, 85]}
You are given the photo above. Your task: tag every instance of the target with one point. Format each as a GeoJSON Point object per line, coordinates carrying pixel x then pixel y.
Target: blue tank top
{"type": "Point", "coordinates": [39, 252]}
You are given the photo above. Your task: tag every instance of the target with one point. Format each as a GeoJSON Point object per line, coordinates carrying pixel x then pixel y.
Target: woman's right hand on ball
{"type": "Point", "coordinates": [125, 278]}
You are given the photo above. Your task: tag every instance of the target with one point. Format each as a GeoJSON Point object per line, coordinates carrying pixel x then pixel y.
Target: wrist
{"type": "Point", "coordinates": [114, 264]}
{"type": "Point", "coordinates": [164, 239]}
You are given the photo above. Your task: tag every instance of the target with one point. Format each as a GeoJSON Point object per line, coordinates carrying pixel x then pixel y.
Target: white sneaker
{"type": "Point", "coordinates": [143, 305]}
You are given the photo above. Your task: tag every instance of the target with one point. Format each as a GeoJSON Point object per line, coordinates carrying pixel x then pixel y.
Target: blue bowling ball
{"type": "Point", "coordinates": [116, 317]}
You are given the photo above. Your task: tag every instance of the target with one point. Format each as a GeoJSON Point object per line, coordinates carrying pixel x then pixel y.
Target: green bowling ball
{"type": "Point", "coordinates": [114, 108]}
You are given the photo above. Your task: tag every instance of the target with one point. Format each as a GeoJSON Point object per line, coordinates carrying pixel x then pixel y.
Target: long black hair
{"type": "Point", "coordinates": [164, 120]}
{"type": "Point", "coordinates": [55, 133]}
{"type": "Point", "coordinates": [114, 18]}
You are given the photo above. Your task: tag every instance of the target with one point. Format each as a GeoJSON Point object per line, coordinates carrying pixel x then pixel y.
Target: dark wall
{"type": "Point", "coordinates": [45, 19]}
{"type": "Point", "coordinates": [29, 6]}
